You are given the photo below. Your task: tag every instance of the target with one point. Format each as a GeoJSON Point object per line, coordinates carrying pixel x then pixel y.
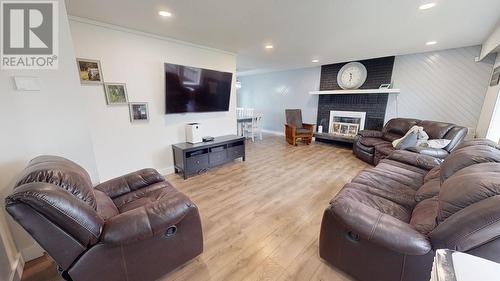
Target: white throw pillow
{"type": "Point", "coordinates": [421, 135]}
{"type": "Point", "coordinates": [436, 143]}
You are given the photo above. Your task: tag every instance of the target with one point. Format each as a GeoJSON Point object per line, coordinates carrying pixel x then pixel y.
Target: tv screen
{"type": "Point", "coordinates": [191, 89]}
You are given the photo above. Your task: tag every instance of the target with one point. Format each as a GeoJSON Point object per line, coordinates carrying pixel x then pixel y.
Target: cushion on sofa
{"type": "Point", "coordinates": [435, 173]}
{"type": "Point", "coordinates": [480, 141]}
{"type": "Point", "coordinates": [436, 130]}
{"type": "Point", "coordinates": [468, 156]}
{"type": "Point", "coordinates": [143, 196]}
{"type": "Point", "coordinates": [378, 203]}
{"type": "Point", "coordinates": [399, 194]}
{"type": "Point", "coordinates": [385, 148]}
{"type": "Point", "coordinates": [424, 215]}
{"type": "Point", "coordinates": [368, 141]}
{"type": "Point", "coordinates": [379, 178]}
{"type": "Point", "coordinates": [463, 190]}
{"type": "Point", "coordinates": [399, 126]}
{"type": "Point", "coordinates": [428, 190]}
{"type": "Point", "coordinates": [391, 137]}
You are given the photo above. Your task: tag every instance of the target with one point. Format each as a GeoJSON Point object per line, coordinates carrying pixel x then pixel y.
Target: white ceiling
{"type": "Point", "coordinates": [300, 30]}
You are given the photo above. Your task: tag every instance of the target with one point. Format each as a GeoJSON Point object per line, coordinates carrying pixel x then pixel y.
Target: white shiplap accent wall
{"type": "Point", "coordinates": [444, 86]}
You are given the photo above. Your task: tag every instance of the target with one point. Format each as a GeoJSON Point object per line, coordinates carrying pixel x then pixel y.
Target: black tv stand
{"type": "Point", "coordinates": [195, 158]}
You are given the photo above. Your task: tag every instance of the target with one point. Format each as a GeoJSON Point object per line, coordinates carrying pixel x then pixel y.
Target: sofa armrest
{"type": "Point", "coordinates": [471, 227]}
{"type": "Point", "coordinates": [146, 222]}
{"type": "Point", "coordinates": [371, 133]}
{"type": "Point", "coordinates": [379, 228]}
{"type": "Point", "coordinates": [130, 182]}
{"type": "Point", "coordinates": [434, 152]}
{"type": "Point", "coordinates": [415, 159]}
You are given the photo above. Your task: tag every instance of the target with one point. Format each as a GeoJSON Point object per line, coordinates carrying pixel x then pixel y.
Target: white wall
{"type": "Point", "coordinates": [272, 93]}
{"type": "Point", "coordinates": [51, 121]}
{"type": "Point", "coordinates": [489, 122]}
{"type": "Point", "coordinates": [443, 85]}
{"type": "Point", "coordinates": [492, 43]}
{"type": "Point", "coordinates": [138, 59]}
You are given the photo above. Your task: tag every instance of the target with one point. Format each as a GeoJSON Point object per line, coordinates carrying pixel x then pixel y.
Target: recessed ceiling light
{"type": "Point", "coordinates": [269, 46]}
{"type": "Point", "coordinates": [427, 6]}
{"type": "Point", "coordinates": [164, 14]}
{"type": "Point", "coordinates": [431, 43]}
{"type": "Point", "coordinates": [315, 60]}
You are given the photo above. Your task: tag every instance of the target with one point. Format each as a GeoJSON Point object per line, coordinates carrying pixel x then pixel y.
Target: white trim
{"type": "Point", "coordinates": [351, 114]}
{"type": "Point", "coordinates": [357, 91]}
{"type": "Point", "coordinates": [277, 133]}
{"type": "Point", "coordinates": [32, 252]}
{"type": "Point", "coordinates": [17, 267]}
{"type": "Point", "coordinates": [166, 171]}
{"type": "Point", "coordinates": [146, 34]}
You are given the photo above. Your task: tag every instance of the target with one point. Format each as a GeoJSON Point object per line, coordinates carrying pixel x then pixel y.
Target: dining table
{"type": "Point", "coordinates": [241, 121]}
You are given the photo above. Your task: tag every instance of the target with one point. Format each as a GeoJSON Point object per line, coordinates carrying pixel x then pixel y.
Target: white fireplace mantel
{"type": "Point", "coordinates": [356, 91]}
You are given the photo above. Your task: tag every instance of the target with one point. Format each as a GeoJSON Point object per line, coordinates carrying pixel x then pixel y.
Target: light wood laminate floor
{"type": "Point", "coordinates": [261, 218]}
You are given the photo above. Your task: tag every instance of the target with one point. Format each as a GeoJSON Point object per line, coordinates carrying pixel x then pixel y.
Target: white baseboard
{"type": "Point", "coordinates": [32, 252]}
{"type": "Point", "coordinates": [166, 171]}
{"type": "Point", "coordinates": [17, 268]}
{"type": "Point", "coordinates": [278, 133]}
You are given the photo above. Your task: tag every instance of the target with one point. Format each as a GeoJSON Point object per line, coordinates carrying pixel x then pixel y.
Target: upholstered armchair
{"type": "Point", "coordinates": [136, 227]}
{"type": "Point", "coordinates": [295, 129]}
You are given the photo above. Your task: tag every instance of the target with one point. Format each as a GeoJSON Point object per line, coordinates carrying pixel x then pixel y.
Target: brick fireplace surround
{"type": "Point", "coordinates": [379, 72]}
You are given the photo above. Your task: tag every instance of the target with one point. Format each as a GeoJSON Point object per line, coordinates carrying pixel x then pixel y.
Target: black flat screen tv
{"type": "Point", "coordinates": [191, 89]}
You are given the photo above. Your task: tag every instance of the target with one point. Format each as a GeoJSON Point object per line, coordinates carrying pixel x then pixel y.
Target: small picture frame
{"type": "Point", "coordinates": [344, 129]}
{"type": "Point", "coordinates": [353, 129]}
{"type": "Point", "coordinates": [139, 111]}
{"type": "Point", "coordinates": [116, 93]}
{"type": "Point", "coordinates": [495, 78]}
{"type": "Point", "coordinates": [336, 128]}
{"type": "Point", "coordinates": [385, 86]}
{"type": "Point", "coordinates": [89, 71]}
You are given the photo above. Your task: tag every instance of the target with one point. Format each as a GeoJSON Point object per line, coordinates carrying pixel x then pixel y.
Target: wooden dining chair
{"type": "Point", "coordinates": [255, 127]}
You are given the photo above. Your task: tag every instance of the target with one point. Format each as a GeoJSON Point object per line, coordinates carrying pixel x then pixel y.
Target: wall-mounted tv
{"type": "Point", "coordinates": [192, 89]}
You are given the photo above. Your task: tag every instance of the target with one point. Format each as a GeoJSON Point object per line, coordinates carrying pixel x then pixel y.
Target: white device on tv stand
{"type": "Point", "coordinates": [193, 133]}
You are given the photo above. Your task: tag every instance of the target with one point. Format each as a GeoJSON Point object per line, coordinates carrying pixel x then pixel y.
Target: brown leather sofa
{"type": "Point", "coordinates": [135, 227]}
{"type": "Point", "coordinates": [387, 223]}
{"type": "Point", "coordinates": [372, 146]}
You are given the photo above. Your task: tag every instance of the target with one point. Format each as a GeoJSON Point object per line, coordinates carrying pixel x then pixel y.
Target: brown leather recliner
{"type": "Point", "coordinates": [372, 146]}
{"type": "Point", "coordinates": [387, 223]}
{"type": "Point", "coordinates": [135, 227]}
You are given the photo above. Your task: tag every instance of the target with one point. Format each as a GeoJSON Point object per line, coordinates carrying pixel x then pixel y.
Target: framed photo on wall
{"type": "Point", "coordinates": [116, 93]}
{"type": "Point", "coordinates": [89, 71]}
{"type": "Point", "coordinates": [139, 111]}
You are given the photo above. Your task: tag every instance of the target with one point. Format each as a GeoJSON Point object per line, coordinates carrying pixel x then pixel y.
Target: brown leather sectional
{"type": "Point", "coordinates": [373, 146]}
{"type": "Point", "coordinates": [388, 221]}
{"type": "Point", "coordinates": [136, 227]}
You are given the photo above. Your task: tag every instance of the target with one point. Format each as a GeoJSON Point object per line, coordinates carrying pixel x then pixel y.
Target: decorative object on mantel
{"type": "Point", "coordinates": [116, 93]}
{"type": "Point", "coordinates": [356, 91]}
{"type": "Point", "coordinates": [89, 71]}
{"type": "Point", "coordinates": [322, 124]}
{"type": "Point", "coordinates": [495, 78]}
{"type": "Point", "coordinates": [385, 86]}
{"type": "Point", "coordinates": [138, 111]}
{"type": "Point", "coordinates": [352, 75]}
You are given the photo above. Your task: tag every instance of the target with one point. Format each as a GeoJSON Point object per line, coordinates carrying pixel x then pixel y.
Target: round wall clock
{"type": "Point", "coordinates": [352, 75]}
